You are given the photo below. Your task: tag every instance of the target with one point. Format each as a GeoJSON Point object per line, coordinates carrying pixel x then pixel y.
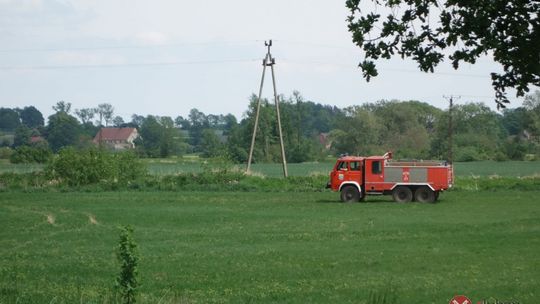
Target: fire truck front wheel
{"type": "Point", "coordinates": [402, 194]}
{"type": "Point", "coordinates": [350, 194]}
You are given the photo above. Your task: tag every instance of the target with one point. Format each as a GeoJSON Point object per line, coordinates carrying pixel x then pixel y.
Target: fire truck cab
{"type": "Point", "coordinates": [422, 181]}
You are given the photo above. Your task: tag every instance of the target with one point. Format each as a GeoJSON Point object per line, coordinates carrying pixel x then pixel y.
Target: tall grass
{"type": "Point", "coordinates": [222, 247]}
{"type": "Point", "coordinates": [7, 167]}
{"type": "Point", "coordinates": [172, 166]}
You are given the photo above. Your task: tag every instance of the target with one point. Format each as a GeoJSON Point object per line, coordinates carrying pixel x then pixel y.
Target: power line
{"type": "Point", "coordinates": [119, 65]}
{"type": "Point", "coordinates": [187, 44]}
{"type": "Point", "coordinates": [173, 63]}
{"type": "Point", "coordinates": [157, 64]}
{"type": "Point", "coordinates": [120, 47]}
{"type": "Point", "coordinates": [319, 45]}
{"type": "Point", "coordinates": [350, 66]}
{"type": "Point", "coordinates": [122, 65]}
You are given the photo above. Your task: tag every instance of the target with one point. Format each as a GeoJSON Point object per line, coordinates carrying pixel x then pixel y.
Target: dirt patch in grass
{"type": "Point", "coordinates": [50, 218]}
{"type": "Point", "coordinates": [92, 219]}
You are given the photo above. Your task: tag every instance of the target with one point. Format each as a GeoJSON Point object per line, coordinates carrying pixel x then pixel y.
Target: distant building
{"type": "Point", "coordinates": [117, 138]}
{"type": "Point", "coordinates": [324, 139]}
{"type": "Point", "coordinates": [36, 139]}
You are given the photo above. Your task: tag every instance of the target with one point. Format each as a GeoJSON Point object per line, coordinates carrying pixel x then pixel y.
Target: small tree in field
{"type": "Point", "coordinates": [128, 257]}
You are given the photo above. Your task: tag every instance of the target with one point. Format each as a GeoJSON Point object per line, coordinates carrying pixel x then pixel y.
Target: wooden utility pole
{"type": "Point", "coordinates": [268, 61]}
{"type": "Point", "coordinates": [450, 128]}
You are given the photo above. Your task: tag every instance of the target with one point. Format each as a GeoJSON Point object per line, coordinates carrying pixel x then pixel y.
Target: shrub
{"type": "Point", "coordinates": [531, 157]}
{"type": "Point", "coordinates": [5, 152]}
{"type": "Point", "coordinates": [26, 155]}
{"type": "Point", "coordinates": [91, 166]}
{"type": "Point", "coordinates": [128, 257]}
{"type": "Point", "coordinates": [24, 181]}
{"type": "Point", "coordinates": [499, 156]}
{"type": "Point", "coordinates": [515, 148]}
{"type": "Point", "coordinates": [467, 154]}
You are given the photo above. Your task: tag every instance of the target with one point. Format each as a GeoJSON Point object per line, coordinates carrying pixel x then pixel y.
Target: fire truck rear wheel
{"type": "Point", "coordinates": [402, 194]}
{"type": "Point", "coordinates": [350, 194]}
{"type": "Point", "coordinates": [424, 195]}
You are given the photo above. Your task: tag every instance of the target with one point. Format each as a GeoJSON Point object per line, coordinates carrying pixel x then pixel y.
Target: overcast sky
{"type": "Point", "coordinates": [165, 57]}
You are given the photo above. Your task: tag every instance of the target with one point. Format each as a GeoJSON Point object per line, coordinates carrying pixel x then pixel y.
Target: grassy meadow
{"type": "Point", "coordinates": [281, 248]}
{"type": "Point", "coordinates": [6, 166]}
{"type": "Point", "coordinates": [276, 246]}
{"type": "Point", "coordinates": [476, 168]}
{"type": "Point", "coordinates": [175, 166]}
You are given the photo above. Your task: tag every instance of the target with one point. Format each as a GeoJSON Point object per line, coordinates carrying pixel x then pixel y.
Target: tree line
{"type": "Point", "coordinates": [312, 131]}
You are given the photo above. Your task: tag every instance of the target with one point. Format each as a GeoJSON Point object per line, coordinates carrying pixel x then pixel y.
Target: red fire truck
{"type": "Point", "coordinates": [421, 181]}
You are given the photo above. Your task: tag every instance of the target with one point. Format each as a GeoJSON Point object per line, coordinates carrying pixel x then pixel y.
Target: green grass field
{"type": "Point", "coordinates": [171, 166]}
{"type": "Point", "coordinates": [6, 166]}
{"type": "Point", "coordinates": [271, 248]}
{"type": "Point", "coordinates": [167, 167]}
{"type": "Point", "coordinates": [478, 168]}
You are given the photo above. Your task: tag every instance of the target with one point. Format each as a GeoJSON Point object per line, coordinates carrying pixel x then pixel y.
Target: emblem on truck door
{"type": "Point", "coordinates": [340, 176]}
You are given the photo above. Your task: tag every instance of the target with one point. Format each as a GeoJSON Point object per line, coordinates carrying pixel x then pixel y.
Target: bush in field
{"type": "Point", "coordinates": [91, 166]}
{"type": "Point", "coordinates": [23, 181]}
{"type": "Point", "coordinates": [467, 154]}
{"type": "Point", "coordinates": [516, 148]}
{"type": "Point", "coordinates": [28, 154]}
{"type": "Point", "coordinates": [5, 152]}
{"type": "Point", "coordinates": [127, 255]}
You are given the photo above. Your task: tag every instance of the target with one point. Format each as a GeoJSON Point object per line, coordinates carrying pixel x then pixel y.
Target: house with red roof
{"type": "Point", "coordinates": [36, 139]}
{"type": "Point", "coordinates": [117, 138]}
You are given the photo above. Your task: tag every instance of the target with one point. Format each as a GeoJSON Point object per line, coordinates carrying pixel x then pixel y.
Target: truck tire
{"type": "Point", "coordinates": [424, 195]}
{"type": "Point", "coordinates": [362, 198]}
{"type": "Point", "coordinates": [402, 194]}
{"type": "Point", "coordinates": [350, 194]}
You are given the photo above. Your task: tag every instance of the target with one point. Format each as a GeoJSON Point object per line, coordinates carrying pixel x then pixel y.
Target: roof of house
{"type": "Point", "coordinates": [36, 139]}
{"type": "Point", "coordinates": [114, 134]}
